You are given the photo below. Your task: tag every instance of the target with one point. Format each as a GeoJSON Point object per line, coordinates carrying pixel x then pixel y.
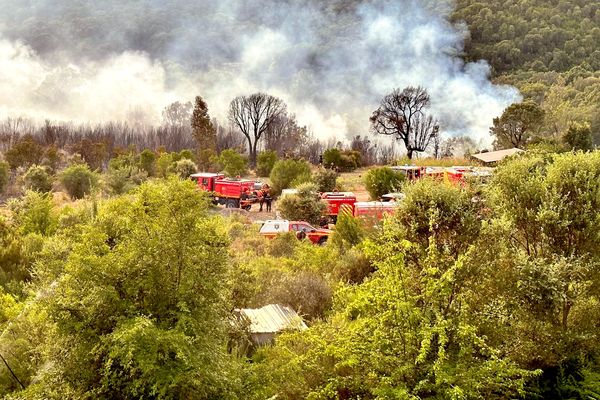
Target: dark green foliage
{"type": "Point", "coordinates": [24, 153]}
{"type": "Point", "coordinates": [578, 137]}
{"type": "Point", "coordinates": [184, 168]}
{"type": "Point", "coordinates": [207, 160]}
{"type": "Point", "coordinates": [78, 180]}
{"type": "Point", "coordinates": [532, 35]}
{"type": "Point", "coordinates": [149, 303]}
{"type": "Point", "coordinates": [325, 179]}
{"type": "Point", "coordinates": [233, 163]}
{"type": "Point", "coordinates": [439, 209]}
{"type": "Point", "coordinates": [93, 153]}
{"type": "Point", "coordinates": [348, 231]}
{"type": "Point", "coordinates": [345, 160]}
{"type": "Point", "coordinates": [286, 172]}
{"type": "Point", "coordinates": [184, 154]}
{"type": "Point", "coordinates": [202, 128]}
{"type": "Point", "coordinates": [34, 213]}
{"type": "Point", "coordinates": [518, 123]}
{"type": "Point", "coordinates": [4, 175]}
{"type": "Point", "coordinates": [304, 206]}
{"type": "Point", "coordinates": [382, 180]}
{"type": "Point", "coordinates": [148, 162]}
{"type": "Point", "coordinates": [163, 164]}
{"type": "Point", "coordinates": [37, 178]}
{"type": "Point", "coordinates": [265, 162]}
{"type": "Point", "coordinates": [13, 261]}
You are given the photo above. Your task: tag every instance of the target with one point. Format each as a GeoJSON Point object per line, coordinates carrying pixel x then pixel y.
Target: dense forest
{"type": "Point", "coordinates": [479, 291]}
{"type": "Point", "coordinates": [120, 279]}
{"type": "Point", "coordinates": [550, 50]}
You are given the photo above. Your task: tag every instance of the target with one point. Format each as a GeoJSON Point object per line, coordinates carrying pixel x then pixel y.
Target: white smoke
{"type": "Point", "coordinates": [331, 64]}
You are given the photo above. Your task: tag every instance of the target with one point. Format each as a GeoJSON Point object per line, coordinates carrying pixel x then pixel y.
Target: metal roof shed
{"type": "Point", "coordinates": [491, 157]}
{"type": "Point", "coordinates": [268, 321]}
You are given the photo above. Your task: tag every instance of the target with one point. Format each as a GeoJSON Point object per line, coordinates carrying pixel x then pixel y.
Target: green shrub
{"type": "Point", "coordinates": [325, 179]}
{"type": "Point", "coordinates": [348, 231]}
{"type": "Point", "coordinates": [123, 161]}
{"type": "Point", "coordinates": [233, 163]}
{"type": "Point", "coordinates": [207, 160]}
{"type": "Point", "coordinates": [184, 154]}
{"type": "Point", "coordinates": [304, 206]}
{"type": "Point", "coordinates": [345, 160]}
{"type": "Point", "coordinates": [148, 162]}
{"type": "Point", "coordinates": [37, 179]}
{"type": "Point", "coordinates": [382, 180]}
{"type": "Point", "coordinates": [184, 168]}
{"type": "Point", "coordinates": [24, 153]}
{"type": "Point", "coordinates": [121, 181]}
{"type": "Point", "coordinates": [78, 180]}
{"type": "Point", "coordinates": [34, 213]}
{"type": "Point", "coordinates": [164, 163]}
{"type": "Point", "coordinates": [4, 174]}
{"type": "Point", "coordinates": [265, 162]}
{"type": "Point", "coordinates": [286, 172]}
{"type": "Point", "coordinates": [578, 137]}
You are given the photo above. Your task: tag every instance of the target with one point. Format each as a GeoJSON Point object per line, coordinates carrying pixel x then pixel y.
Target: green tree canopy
{"type": "Point", "coordinates": [517, 125]}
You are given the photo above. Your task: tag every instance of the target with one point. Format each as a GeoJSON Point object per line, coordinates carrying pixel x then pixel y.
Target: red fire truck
{"type": "Point", "coordinates": [233, 193]}
{"type": "Point", "coordinates": [337, 201]}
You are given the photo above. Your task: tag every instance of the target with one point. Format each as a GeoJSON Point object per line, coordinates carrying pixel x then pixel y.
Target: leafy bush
{"type": "Point", "coordinates": [348, 231]}
{"type": "Point", "coordinates": [325, 179]}
{"type": "Point", "coordinates": [265, 162]}
{"type": "Point", "coordinates": [122, 180]}
{"type": "Point", "coordinates": [233, 163]}
{"type": "Point", "coordinates": [304, 206]}
{"type": "Point", "coordinates": [34, 213]}
{"type": "Point", "coordinates": [25, 152]}
{"type": "Point", "coordinates": [184, 154]}
{"type": "Point", "coordinates": [148, 162]}
{"type": "Point", "coordinates": [285, 172]}
{"type": "Point", "coordinates": [78, 180]}
{"type": "Point", "coordinates": [37, 179]}
{"type": "Point", "coordinates": [578, 137]}
{"type": "Point", "coordinates": [345, 160]}
{"type": "Point", "coordinates": [382, 180]}
{"type": "Point", "coordinates": [441, 210]}
{"type": "Point", "coordinates": [185, 167]}
{"type": "Point", "coordinates": [163, 164]}
{"type": "Point", "coordinates": [4, 174]}
{"type": "Point", "coordinates": [206, 160]}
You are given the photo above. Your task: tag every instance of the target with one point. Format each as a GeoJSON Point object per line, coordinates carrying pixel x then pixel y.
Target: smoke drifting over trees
{"type": "Point", "coordinates": [329, 61]}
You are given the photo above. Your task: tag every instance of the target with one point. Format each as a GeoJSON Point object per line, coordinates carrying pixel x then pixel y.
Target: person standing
{"type": "Point", "coordinates": [268, 201]}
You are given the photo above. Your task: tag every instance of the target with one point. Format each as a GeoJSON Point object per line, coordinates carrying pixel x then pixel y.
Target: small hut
{"type": "Point", "coordinates": [266, 322]}
{"type": "Point", "coordinates": [491, 158]}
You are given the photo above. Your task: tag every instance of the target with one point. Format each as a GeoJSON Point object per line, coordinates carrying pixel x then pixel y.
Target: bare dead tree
{"type": "Point", "coordinates": [425, 131]}
{"type": "Point", "coordinates": [285, 136]}
{"type": "Point", "coordinates": [253, 115]}
{"type": "Point", "coordinates": [366, 148]}
{"type": "Point", "coordinates": [402, 114]}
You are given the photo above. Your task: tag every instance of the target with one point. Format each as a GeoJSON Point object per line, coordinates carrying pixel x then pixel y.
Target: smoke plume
{"type": "Point", "coordinates": [331, 62]}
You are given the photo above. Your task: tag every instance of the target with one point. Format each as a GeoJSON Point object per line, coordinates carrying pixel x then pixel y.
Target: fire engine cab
{"type": "Point", "coordinates": [233, 193]}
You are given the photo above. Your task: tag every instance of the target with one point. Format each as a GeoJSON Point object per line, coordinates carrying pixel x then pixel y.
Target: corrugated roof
{"type": "Point", "coordinates": [273, 318]}
{"type": "Point", "coordinates": [495, 156]}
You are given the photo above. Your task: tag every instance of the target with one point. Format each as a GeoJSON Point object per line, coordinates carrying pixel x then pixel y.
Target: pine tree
{"type": "Point", "coordinates": [202, 128]}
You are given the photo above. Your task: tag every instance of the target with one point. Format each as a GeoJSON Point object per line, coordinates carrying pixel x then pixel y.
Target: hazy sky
{"type": "Point", "coordinates": [105, 60]}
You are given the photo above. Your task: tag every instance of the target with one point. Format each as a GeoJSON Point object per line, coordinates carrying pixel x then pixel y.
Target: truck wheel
{"type": "Point", "coordinates": [300, 235]}
{"type": "Point", "coordinates": [248, 207]}
{"type": "Point", "coordinates": [322, 241]}
{"type": "Point", "coordinates": [232, 204]}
